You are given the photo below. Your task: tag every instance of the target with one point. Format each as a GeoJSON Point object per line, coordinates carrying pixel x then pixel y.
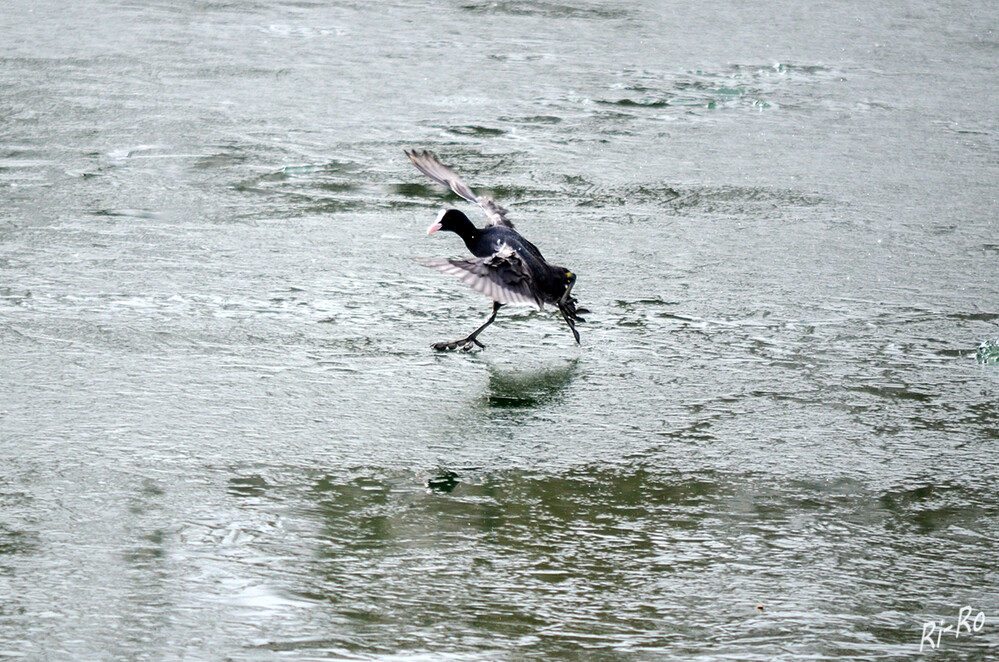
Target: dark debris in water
{"type": "Point", "coordinates": [444, 481]}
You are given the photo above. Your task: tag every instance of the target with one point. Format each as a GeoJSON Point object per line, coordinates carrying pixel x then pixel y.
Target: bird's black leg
{"type": "Point", "coordinates": [467, 342]}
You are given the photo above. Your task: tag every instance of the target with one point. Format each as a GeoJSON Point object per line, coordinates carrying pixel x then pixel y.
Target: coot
{"type": "Point", "coordinates": [506, 267]}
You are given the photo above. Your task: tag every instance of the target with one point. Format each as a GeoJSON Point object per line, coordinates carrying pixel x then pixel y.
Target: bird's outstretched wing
{"type": "Point", "coordinates": [503, 276]}
{"type": "Point", "coordinates": [426, 163]}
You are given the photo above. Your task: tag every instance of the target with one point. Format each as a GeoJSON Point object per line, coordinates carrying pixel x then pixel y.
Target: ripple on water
{"type": "Point", "coordinates": [616, 559]}
{"type": "Point", "coordinates": [552, 10]}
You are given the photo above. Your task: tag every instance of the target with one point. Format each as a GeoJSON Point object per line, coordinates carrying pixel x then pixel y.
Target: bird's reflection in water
{"type": "Point", "coordinates": [514, 389]}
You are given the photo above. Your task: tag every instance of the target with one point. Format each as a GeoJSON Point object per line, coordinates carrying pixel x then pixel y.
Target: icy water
{"type": "Point", "coordinates": [224, 435]}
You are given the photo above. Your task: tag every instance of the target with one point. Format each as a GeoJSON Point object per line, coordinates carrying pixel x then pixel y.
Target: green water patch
{"type": "Point", "coordinates": [988, 351]}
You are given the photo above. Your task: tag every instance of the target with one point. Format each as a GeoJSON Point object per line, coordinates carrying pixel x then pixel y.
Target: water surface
{"type": "Point", "coordinates": [224, 435]}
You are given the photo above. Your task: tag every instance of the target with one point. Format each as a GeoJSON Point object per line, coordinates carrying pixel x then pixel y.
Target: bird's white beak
{"type": "Point", "coordinates": [565, 295]}
{"type": "Point", "coordinates": [437, 222]}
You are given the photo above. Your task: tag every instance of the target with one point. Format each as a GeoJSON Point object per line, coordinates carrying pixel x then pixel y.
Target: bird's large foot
{"type": "Point", "coordinates": [569, 310]}
{"type": "Point", "coordinates": [465, 344]}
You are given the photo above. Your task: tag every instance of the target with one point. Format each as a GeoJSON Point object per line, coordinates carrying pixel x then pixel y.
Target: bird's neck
{"type": "Point", "coordinates": [468, 232]}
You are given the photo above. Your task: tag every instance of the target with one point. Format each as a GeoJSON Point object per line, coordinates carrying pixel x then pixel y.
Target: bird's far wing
{"type": "Point", "coordinates": [426, 163]}
{"type": "Point", "coordinates": [502, 276]}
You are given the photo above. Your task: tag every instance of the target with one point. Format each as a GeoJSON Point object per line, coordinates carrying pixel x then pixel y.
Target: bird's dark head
{"type": "Point", "coordinates": [451, 220]}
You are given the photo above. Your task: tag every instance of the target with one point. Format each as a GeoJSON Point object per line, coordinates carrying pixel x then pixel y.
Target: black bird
{"type": "Point", "coordinates": [506, 267]}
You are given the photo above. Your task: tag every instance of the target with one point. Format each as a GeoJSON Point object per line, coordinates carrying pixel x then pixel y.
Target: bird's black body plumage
{"type": "Point", "coordinates": [506, 267]}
